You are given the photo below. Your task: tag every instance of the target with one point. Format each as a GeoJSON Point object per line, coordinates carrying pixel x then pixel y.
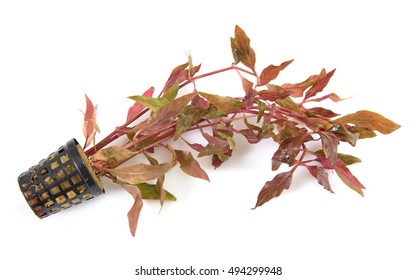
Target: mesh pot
{"type": "Point", "coordinates": [63, 179]}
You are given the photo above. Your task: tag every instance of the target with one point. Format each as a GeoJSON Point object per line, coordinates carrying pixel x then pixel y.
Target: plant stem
{"type": "Point", "coordinates": [119, 131]}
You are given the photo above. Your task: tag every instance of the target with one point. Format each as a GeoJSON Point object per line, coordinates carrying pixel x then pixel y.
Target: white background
{"type": "Point", "coordinates": [53, 52]}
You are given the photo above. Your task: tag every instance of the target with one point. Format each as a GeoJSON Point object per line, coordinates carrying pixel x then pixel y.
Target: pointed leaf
{"type": "Point", "coordinates": [165, 116]}
{"type": "Point", "coordinates": [369, 120]}
{"type": "Point", "coordinates": [90, 126]}
{"type": "Point", "coordinates": [151, 103]}
{"type": "Point", "coordinates": [134, 213]}
{"type": "Point", "coordinates": [321, 175]}
{"type": "Point", "coordinates": [287, 152]}
{"type": "Point", "coordinates": [274, 188]}
{"type": "Point", "coordinates": [271, 72]}
{"type": "Point", "coordinates": [299, 88]}
{"type": "Point", "coordinates": [332, 96]}
{"type": "Point", "coordinates": [190, 166]}
{"type": "Point", "coordinates": [196, 146]}
{"type": "Point", "coordinates": [113, 156]}
{"type": "Point", "coordinates": [291, 105]}
{"type": "Point", "coordinates": [319, 85]}
{"type": "Point", "coordinates": [159, 182]}
{"type": "Point", "coordinates": [178, 74]}
{"type": "Point", "coordinates": [249, 90]}
{"type": "Point", "coordinates": [171, 92]}
{"type": "Point", "coordinates": [140, 173]}
{"type": "Point", "coordinates": [136, 108]}
{"type": "Point", "coordinates": [151, 191]}
{"type": "Point", "coordinates": [188, 117]}
{"type": "Point", "coordinates": [224, 104]}
{"type": "Point", "coordinates": [274, 94]}
{"type": "Point", "coordinates": [241, 49]}
{"type": "Point", "coordinates": [250, 135]}
{"type": "Point", "coordinates": [330, 145]}
{"type": "Point", "coordinates": [348, 159]}
{"type": "Point", "coordinates": [344, 134]}
{"type": "Point", "coordinates": [326, 113]}
{"type": "Point", "coordinates": [345, 158]}
{"type": "Point", "coordinates": [348, 178]}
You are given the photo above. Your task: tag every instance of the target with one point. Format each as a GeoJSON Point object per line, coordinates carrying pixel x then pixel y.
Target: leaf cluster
{"type": "Point", "coordinates": [284, 113]}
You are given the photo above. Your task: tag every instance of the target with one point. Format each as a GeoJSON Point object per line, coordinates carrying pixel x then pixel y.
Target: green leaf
{"type": "Point", "coordinates": [223, 133]}
{"type": "Point", "coordinates": [188, 117]}
{"type": "Point", "coordinates": [216, 146]}
{"type": "Point", "coordinates": [262, 106]}
{"type": "Point", "coordinates": [171, 92]}
{"type": "Point", "coordinates": [136, 108]}
{"type": "Point", "coordinates": [241, 49]}
{"type": "Point", "coordinates": [189, 165]}
{"type": "Point", "coordinates": [344, 134]}
{"type": "Point", "coordinates": [370, 121]}
{"type": "Point", "coordinates": [113, 156]}
{"type": "Point", "coordinates": [345, 158]}
{"type": "Point", "coordinates": [274, 187]}
{"type": "Point", "coordinates": [224, 104]}
{"type": "Point", "coordinates": [271, 72]}
{"type": "Point", "coordinates": [151, 103]}
{"type": "Point", "coordinates": [291, 105]}
{"type": "Point", "coordinates": [165, 116]}
{"type": "Point", "coordinates": [151, 191]}
{"type": "Point", "coordinates": [161, 179]}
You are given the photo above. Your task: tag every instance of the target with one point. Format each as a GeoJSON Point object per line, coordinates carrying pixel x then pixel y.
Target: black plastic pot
{"type": "Point", "coordinates": [63, 179]}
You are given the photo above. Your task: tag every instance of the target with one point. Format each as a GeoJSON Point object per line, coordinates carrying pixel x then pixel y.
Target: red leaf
{"type": "Point", "coordinates": [271, 72]}
{"type": "Point", "coordinates": [274, 94]}
{"type": "Point", "coordinates": [322, 112]}
{"type": "Point", "coordinates": [134, 213]}
{"type": "Point", "coordinates": [137, 107]}
{"type": "Point", "coordinates": [178, 74]}
{"type": "Point", "coordinates": [344, 174]}
{"type": "Point", "coordinates": [196, 146]}
{"type": "Point", "coordinates": [320, 174]}
{"type": "Point", "coordinates": [274, 187]}
{"type": "Point", "coordinates": [250, 92]}
{"type": "Point", "coordinates": [89, 128]}
{"type": "Point", "coordinates": [332, 96]}
{"type": "Point", "coordinates": [240, 46]}
{"type": "Point", "coordinates": [190, 166]}
{"type": "Point", "coordinates": [348, 178]}
{"type": "Point", "coordinates": [250, 135]}
{"type": "Point", "coordinates": [287, 152]}
{"type": "Point", "coordinates": [140, 173]}
{"type": "Point", "coordinates": [319, 85]}
{"type": "Point", "coordinates": [299, 88]}
{"type": "Point", "coordinates": [329, 145]}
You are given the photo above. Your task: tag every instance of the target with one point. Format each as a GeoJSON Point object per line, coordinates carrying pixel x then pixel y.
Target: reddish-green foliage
{"type": "Point", "coordinates": [268, 111]}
